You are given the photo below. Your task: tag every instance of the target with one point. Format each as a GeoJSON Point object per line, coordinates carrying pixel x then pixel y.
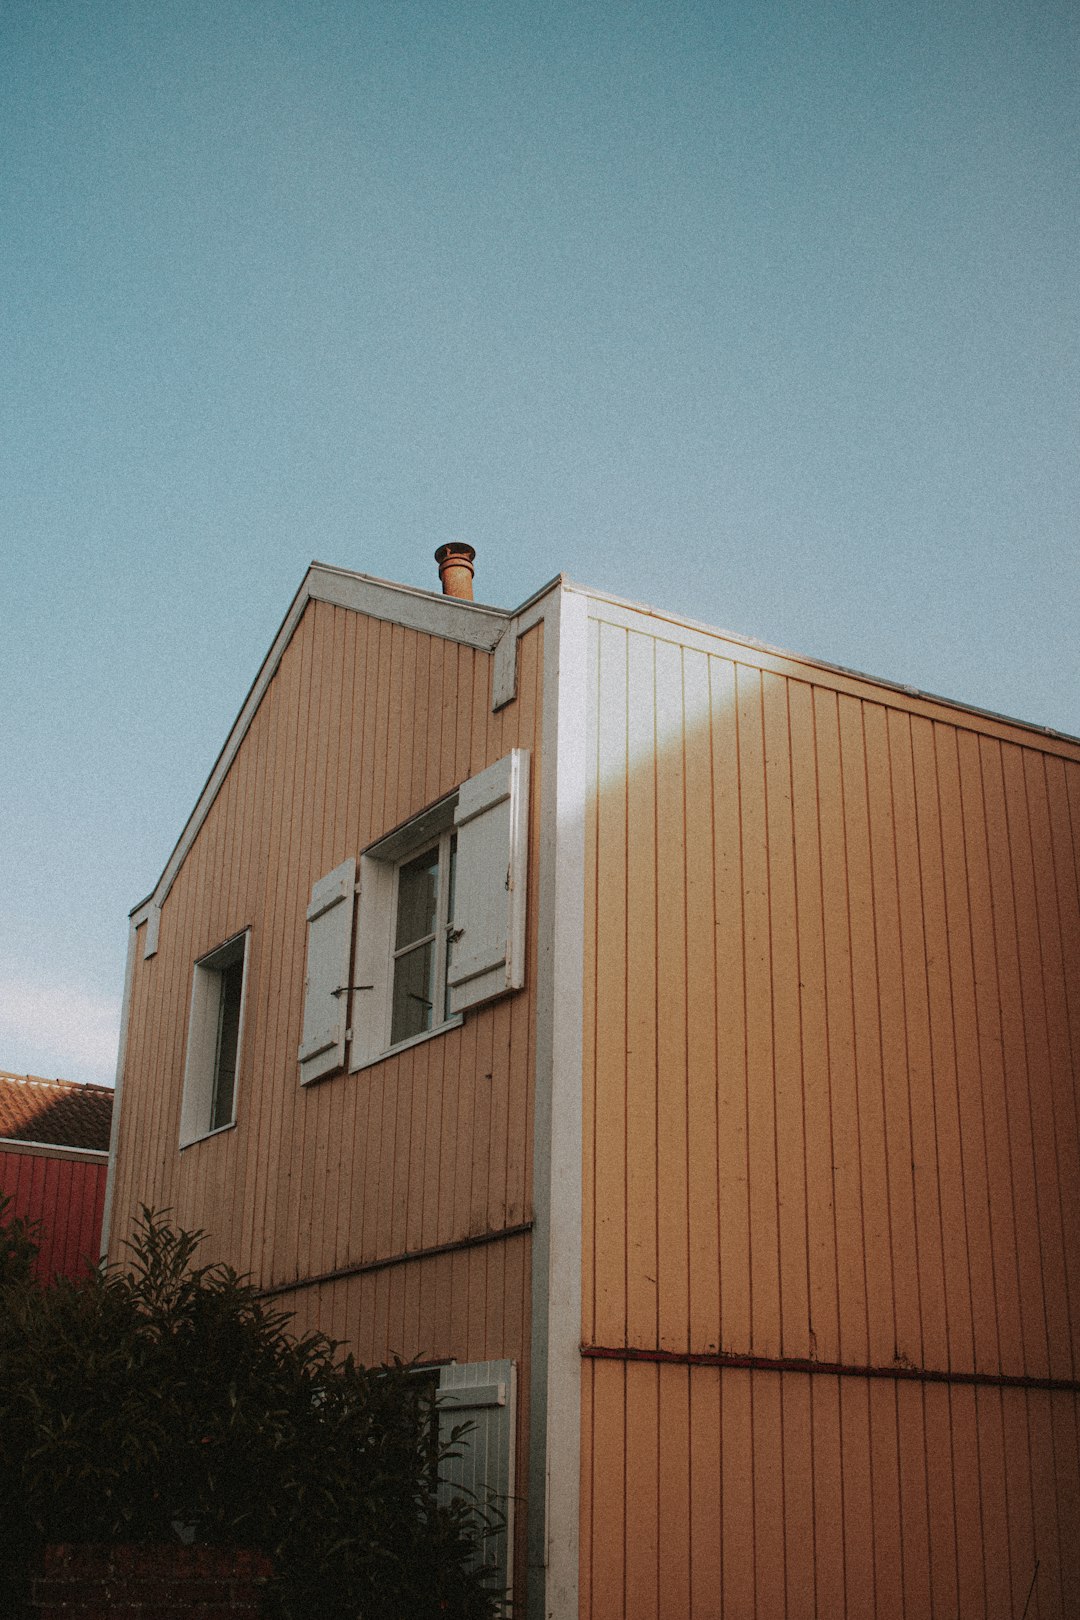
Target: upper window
{"type": "Point", "coordinates": [423, 912]}
{"type": "Point", "coordinates": [406, 935]}
{"type": "Point", "coordinates": [440, 925]}
{"type": "Point", "coordinates": [214, 1035]}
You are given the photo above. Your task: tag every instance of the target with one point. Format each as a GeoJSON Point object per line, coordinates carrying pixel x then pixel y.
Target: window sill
{"type": "Point", "coordinates": [414, 1040]}
{"type": "Point", "coordinates": [219, 1130]}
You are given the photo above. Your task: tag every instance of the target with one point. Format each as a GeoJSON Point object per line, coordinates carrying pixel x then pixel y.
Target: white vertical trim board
{"type": "Point", "coordinates": [121, 1053]}
{"type": "Point", "coordinates": [555, 1392]}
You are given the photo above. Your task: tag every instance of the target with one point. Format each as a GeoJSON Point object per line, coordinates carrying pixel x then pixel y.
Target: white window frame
{"type": "Point", "coordinates": [203, 1052]}
{"type": "Point", "coordinates": [439, 937]}
{"type": "Point", "coordinates": [376, 954]}
{"type": "Point", "coordinates": [482, 956]}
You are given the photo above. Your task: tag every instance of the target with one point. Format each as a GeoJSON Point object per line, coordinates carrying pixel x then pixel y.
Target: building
{"type": "Point", "coordinates": [676, 1039]}
{"type": "Point", "coordinates": [54, 1151]}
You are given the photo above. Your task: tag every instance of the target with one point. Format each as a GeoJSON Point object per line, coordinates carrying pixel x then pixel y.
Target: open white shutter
{"type": "Point", "coordinates": [374, 942]}
{"type": "Point", "coordinates": [326, 1000]}
{"type": "Point", "coordinates": [487, 956]}
{"type": "Point", "coordinates": [481, 1393]}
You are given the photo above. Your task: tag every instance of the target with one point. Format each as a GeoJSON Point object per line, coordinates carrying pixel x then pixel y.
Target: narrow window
{"type": "Point", "coordinates": [228, 1039]}
{"type": "Point", "coordinates": [423, 914]}
{"type": "Point", "coordinates": [215, 1031]}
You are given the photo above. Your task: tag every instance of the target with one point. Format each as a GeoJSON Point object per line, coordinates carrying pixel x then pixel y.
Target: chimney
{"type": "Point", "coordinates": [456, 569]}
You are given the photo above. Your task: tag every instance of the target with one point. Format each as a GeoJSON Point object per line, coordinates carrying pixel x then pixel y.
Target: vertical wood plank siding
{"type": "Point", "coordinates": [363, 725]}
{"type": "Point", "coordinates": [832, 1012]}
{"type": "Point", "coordinates": [67, 1195]}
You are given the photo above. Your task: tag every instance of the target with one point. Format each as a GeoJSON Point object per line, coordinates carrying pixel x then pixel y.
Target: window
{"type": "Point", "coordinates": [408, 893]}
{"type": "Point", "coordinates": [423, 911]}
{"type": "Point", "coordinates": [226, 1045]}
{"type": "Point", "coordinates": [440, 925]}
{"type": "Point", "coordinates": [214, 1041]}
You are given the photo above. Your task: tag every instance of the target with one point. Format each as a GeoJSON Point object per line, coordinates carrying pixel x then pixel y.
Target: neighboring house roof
{"type": "Point", "coordinates": [61, 1113]}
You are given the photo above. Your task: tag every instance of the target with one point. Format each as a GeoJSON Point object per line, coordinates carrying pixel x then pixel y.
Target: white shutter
{"type": "Point", "coordinates": [487, 956]}
{"type": "Point", "coordinates": [482, 1393]}
{"type": "Point", "coordinates": [326, 1000]}
{"type": "Point", "coordinates": [374, 939]}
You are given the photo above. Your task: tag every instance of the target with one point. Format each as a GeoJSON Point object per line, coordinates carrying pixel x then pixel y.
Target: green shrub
{"type": "Point", "coordinates": [166, 1399]}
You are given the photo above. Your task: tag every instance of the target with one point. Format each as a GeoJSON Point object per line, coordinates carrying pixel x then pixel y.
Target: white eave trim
{"type": "Point", "coordinates": [674, 627]}
{"type": "Point", "coordinates": [469, 623]}
{"type": "Point", "coordinates": [53, 1150]}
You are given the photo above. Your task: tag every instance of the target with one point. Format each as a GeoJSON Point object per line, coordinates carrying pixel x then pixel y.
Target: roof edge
{"type": "Point", "coordinates": [473, 624]}
{"type": "Point", "coordinates": [738, 639]}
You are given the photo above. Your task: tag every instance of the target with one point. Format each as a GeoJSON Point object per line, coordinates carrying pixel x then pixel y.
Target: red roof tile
{"type": "Point", "coordinates": [60, 1112]}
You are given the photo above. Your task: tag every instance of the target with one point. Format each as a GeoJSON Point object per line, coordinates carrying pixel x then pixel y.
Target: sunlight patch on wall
{"type": "Point", "coordinates": [654, 699]}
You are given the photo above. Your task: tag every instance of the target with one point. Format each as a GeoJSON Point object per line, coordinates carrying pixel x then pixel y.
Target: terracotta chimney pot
{"type": "Point", "coordinates": [456, 569]}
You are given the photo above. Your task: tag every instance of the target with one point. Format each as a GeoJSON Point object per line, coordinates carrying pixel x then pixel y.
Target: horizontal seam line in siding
{"type": "Point", "coordinates": [835, 1369]}
{"type": "Point", "coordinates": [361, 1266]}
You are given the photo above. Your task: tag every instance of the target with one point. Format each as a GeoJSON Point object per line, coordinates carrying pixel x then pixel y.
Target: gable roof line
{"type": "Point", "coordinates": [471, 623]}
{"type": "Point", "coordinates": [738, 639]}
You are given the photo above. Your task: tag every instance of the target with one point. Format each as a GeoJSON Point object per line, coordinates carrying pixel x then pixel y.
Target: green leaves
{"type": "Point", "coordinates": [18, 1247]}
{"type": "Point", "coordinates": [164, 1396]}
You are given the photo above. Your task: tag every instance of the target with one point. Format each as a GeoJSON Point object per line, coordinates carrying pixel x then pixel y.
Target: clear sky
{"type": "Point", "coordinates": [763, 313]}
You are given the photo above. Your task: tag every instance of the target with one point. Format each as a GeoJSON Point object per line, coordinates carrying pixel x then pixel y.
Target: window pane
{"type": "Point", "coordinates": [221, 1108]}
{"type": "Point", "coordinates": [414, 993]}
{"type": "Point", "coordinates": [418, 883]}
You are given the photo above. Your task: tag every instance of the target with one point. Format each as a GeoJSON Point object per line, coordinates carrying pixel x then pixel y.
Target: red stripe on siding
{"type": "Point", "coordinates": [836, 1369]}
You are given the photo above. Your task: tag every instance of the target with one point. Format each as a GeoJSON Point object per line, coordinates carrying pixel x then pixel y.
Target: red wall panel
{"type": "Point", "coordinates": [68, 1197]}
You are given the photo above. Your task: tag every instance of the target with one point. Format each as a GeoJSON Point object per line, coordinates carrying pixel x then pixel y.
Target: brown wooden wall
{"type": "Point", "coordinates": [832, 1021]}
{"type": "Point", "coordinates": [363, 724]}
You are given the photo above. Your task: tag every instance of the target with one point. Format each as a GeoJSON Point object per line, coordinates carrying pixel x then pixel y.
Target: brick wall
{"type": "Point", "coordinates": [150, 1583]}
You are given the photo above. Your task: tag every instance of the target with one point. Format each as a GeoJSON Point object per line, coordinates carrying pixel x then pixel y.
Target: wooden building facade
{"type": "Point", "coordinates": [831, 1297]}
{"type": "Point", "coordinates": [675, 1041]}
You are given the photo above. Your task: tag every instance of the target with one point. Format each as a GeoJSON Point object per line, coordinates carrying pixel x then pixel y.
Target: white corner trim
{"type": "Point", "coordinates": [118, 1090]}
{"type": "Point", "coordinates": [555, 1395]}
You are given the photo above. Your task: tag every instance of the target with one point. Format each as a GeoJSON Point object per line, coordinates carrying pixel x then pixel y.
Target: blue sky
{"type": "Point", "coordinates": [763, 313]}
